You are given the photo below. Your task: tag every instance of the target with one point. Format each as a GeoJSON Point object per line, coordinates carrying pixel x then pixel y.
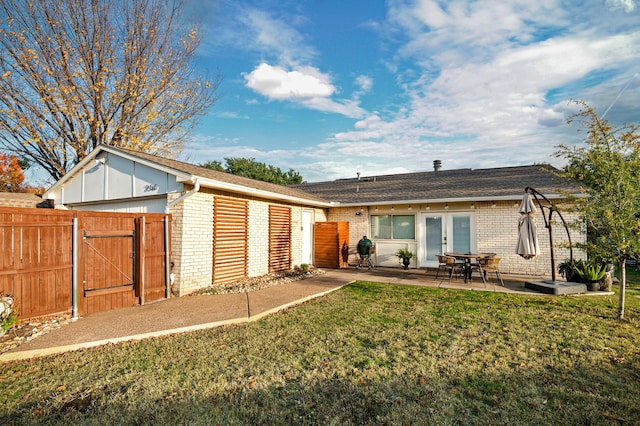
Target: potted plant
{"type": "Point", "coordinates": [589, 272]}
{"type": "Point", "coordinates": [405, 255]}
{"type": "Point", "coordinates": [567, 270]}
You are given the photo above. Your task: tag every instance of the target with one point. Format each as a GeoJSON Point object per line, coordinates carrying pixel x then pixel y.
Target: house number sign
{"type": "Point", "coordinates": [150, 187]}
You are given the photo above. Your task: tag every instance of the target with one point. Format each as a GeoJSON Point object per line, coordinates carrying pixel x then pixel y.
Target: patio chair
{"type": "Point", "coordinates": [488, 265]}
{"type": "Point", "coordinates": [450, 264]}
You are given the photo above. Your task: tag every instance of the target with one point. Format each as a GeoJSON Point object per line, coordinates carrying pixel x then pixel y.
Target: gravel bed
{"type": "Point", "coordinates": [256, 283]}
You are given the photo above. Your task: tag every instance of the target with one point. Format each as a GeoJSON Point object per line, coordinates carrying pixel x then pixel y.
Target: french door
{"type": "Point", "coordinates": [443, 232]}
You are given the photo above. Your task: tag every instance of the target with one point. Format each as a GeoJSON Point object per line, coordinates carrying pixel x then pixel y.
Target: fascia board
{"type": "Point", "coordinates": [180, 176]}
{"type": "Point", "coordinates": [240, 189]}
{"type": "Point", "coordinates": [72, 172]}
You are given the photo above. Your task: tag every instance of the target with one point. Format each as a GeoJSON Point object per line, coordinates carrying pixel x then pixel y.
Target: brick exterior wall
{"type": "Point", "coordinates": [496, 232]}
{"type": "Point", "coordinates": [192, 242]}
{"type": "Point", "coordinates": [192, 239]}
{"type": "Point", "coordinates": [258, 238]}
{"type": "Point", "coordinates": [358, 226]}
{"type": "Point", "coordinates": [495, 225]}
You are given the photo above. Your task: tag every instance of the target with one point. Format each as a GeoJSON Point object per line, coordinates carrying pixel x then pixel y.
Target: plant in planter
{"type": "Point", "coordinates": [405, 255]}
{"type": "Point", "coordinates": [590, 273]}
{"type": "Point", "coordinates": [567, 270]}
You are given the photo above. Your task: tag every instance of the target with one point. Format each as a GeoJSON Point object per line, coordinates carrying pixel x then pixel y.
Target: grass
{"type": "Point", "coordinates": [366, 354]}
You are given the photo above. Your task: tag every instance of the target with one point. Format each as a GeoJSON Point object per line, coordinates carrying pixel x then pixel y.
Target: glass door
{"type": "Point", "coordinates": [435, 238]}
{"type": "Point", "coordinates": [445, 232]}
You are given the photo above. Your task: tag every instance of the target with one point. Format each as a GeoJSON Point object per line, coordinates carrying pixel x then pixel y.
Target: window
{"type": "Point", "coordinates": [393, 227]}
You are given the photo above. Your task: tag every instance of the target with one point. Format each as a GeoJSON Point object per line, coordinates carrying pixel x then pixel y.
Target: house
{"type": "Point", "coordinates": [462, 210]}
{"type": "Point", "coordinates": [224, 227]}
{"type": "Point", "coordinates": [227, 227]}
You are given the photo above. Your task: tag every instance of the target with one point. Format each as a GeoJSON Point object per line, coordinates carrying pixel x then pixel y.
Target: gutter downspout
{"type": "Point", "coordinates": [196, 188]}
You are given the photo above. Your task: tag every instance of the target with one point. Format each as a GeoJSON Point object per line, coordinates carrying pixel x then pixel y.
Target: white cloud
{"type": "Point", "coordinates": [348, 108]}
{"type": "Point", "coordinates": [278, 83]}
{"type": "Point", "coordinates": [275, 36]}
{"type": "Point", "coordinates": [627, 5]}
{"type": "Point", "coordinates": [232, 115]}
{"type": "Point", "coordinates": [480, 85]}
{"type": "Point", "coordinates": [364, 82]}
{"type": "Point", "coordinates": [304, 85]}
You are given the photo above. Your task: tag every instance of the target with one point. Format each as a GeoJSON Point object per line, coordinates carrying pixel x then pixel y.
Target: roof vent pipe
{"type": "Point", "coordinates": [437, 165]}
{"type": "Point", "coordinates": [358, 173]}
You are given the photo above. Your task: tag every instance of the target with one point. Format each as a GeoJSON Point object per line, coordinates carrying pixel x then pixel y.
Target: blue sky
{"type": "Point", "coordinates": [331, 88]}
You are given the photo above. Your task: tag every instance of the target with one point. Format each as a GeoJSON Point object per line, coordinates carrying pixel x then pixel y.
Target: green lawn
{"type": "Point", "coordinates": [366, 354]}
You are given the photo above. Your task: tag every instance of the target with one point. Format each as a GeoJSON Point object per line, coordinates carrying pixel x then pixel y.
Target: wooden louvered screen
{"type": "Point", "coordinates": [279, 239]}
{"type": "Point", "coordinates": [230, 239]}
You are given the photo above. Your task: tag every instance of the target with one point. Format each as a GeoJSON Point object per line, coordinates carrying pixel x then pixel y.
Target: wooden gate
{"type": "Point", "coordinates": [108, 280]}
{"type": "Point", "coordinates": [121, 259]}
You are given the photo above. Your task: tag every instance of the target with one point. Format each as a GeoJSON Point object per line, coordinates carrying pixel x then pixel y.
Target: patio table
{"type": "Point", "coordinates": [467, 257]}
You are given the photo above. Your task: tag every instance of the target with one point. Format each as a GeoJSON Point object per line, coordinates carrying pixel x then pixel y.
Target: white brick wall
{"type": "Point", "coordinates": [258, 238]}
{"type": "Point", "coordinates": [192, 239]}
{"type": "Point", "coordinates": [358, 225]}
{"type": "Point", "coordinates": [192, 242]}
{"type": "Point", "coordinates": [496, 232]}
{"type": "Point", "coordinates": [296, 236]}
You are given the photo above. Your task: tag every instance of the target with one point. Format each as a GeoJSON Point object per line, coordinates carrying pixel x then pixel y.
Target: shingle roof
{"type": "Point", "coordinates": [203, 172]}
{"type": "Point", "coordinates": [15, 199]}
{"type": "Point", "coordinates": [462, 184]}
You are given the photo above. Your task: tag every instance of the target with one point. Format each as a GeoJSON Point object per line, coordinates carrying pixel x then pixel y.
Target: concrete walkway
{"type": "Point", "coordinates": [183, 314]}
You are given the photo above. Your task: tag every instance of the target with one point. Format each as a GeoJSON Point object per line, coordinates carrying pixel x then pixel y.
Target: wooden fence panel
{"type": "Point", "coordinates": [36, 265]}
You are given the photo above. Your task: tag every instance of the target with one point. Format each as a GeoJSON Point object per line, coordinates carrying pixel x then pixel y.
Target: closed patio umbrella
{"type": "Point", "coordinates": [527, 245]}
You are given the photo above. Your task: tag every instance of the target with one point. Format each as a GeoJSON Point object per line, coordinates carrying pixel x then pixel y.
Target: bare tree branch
{"type": "Point", "coordinates": [75, 74]}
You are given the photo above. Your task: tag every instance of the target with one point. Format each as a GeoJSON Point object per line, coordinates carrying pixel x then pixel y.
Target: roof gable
{"type": "Point", "coordinates": [189, 173]}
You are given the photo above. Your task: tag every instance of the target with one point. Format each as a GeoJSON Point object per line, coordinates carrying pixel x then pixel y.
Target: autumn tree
{"type": "Point", "coordinates": [77, 73]}
{"type": "Point", "coordinates": [249, 167]}
{"type": "Point", "coordinates": [11, 174]}
{"type": "Point", "coordinates": [607, 166]}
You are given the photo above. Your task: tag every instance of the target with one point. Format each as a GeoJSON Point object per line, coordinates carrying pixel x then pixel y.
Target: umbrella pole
{"type": "Point", "coordinates": [553, 259]}
{"type": "Point", "coordinates": [547, 224]}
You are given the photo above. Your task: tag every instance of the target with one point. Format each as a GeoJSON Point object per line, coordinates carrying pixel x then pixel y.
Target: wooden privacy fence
{"type": "Point", "coordinates": [56, 261]}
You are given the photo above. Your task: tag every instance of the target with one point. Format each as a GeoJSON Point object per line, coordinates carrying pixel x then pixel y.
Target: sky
{"type": "Point", "coordinates": [331, 88]}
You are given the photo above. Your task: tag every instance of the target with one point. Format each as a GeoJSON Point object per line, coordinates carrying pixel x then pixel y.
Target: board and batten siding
{"type": "Point", "coordinates": [115, 178]}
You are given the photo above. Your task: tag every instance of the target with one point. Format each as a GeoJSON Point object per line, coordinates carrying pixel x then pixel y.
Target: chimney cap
{"type": "Point", "coordinates": [437, 165]}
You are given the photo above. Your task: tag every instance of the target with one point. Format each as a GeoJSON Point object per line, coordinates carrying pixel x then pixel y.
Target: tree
{"type": "Point", "coordinates": [11, 175]}
{"type": "Point", "coordinates": [249, 167]}
{"type": "Point", "coordinates": [75, 74]}
{"type": "Point", "coordinates": [608, 168]}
